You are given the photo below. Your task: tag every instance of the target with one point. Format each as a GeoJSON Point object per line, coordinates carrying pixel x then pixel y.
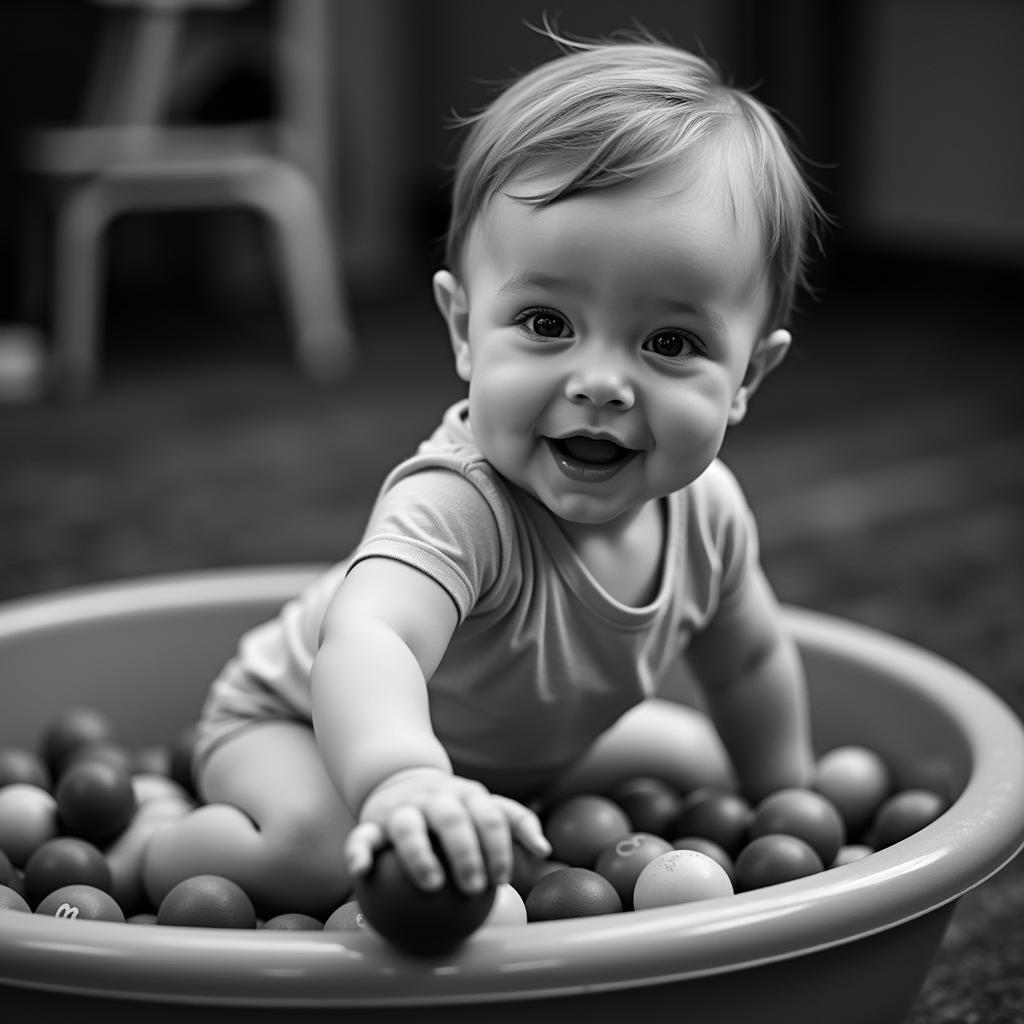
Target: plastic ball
{"type": "Point", "coordinates": [17, 882]}
{"type": "Point", "coordinates": [709, 848]}
{"type": "Point", "coordinates": [572, 892]}
{"type": "Point", "coordinates": [580, 827]}
{"type": "Point", "coordinates": [11, 899]}
{"type": "Point", "coordinates": [622, 861]}
{"type": "Point", "coordinates": [207, 901]}
{"type": "Point", "coordinates": [349, 917]}
{"type": "Point", "coordinates": [650, 803]}
{"type": "Point", "coordinates": [903, 814]}
{"type": "Point", "coordinates": [95, 800]}
{"type": "Point", "coordinates": [106, 752]}
{"type": "Point", "coordinates": [80, 902]}
{"type": "Point", "coordinates": [508, 909]}
{"type": "Point", "coordinates": [28, 818]}
{"type": "Point", "coordinates": [419, 921]}
{"type": "Point", "coordinates": [680, 876]}
{"type": "Point", "coordinates": [771, 859]}
{"type": "Point", "coordinates": [73, 728]}
{"type": "Point", "coordinates": [856, 780]}
{"type": "Point", "coordinates": [149, 786]}
{"type": "Point", "coordinates": [293, 923]}
{"type": "Point", "coordinates": [850, 854]}
{"type": "Point", "coordinates": [802, 813]}
{"type": "Point", "coordinates": [7, 869]}
{"type": "Point", "coordinates": [547, 867]}
{"type": "Point", "coordinates": [152, 760]}
{"type": "Point", "coordinates": [181, 759]}
{"type": "Point", "coordinates": [523, 883]}
{"type": "Point", "coordinates": [720, 816]}
{"type": "Point", "coordinates": [20, 765]}
{"type": "Point", "coordinates": [65, 860]}
{"type": "Point", "coordinates": [527, 867]}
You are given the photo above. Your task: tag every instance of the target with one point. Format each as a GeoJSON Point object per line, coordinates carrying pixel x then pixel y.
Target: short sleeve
{"type": "Point", "coordinates": [441, 523]}
{"type": "Point", "coordinates": [736, 537]}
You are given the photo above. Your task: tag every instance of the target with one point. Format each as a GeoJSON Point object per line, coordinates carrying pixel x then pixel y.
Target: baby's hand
{"type": "Point", "coordinates": [474, 827]}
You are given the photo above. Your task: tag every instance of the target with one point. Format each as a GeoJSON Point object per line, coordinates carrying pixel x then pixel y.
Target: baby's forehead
{"type": "Point", "coordinates": [657, 236]}
{"type": "Point", "coordinates": [716, 177]}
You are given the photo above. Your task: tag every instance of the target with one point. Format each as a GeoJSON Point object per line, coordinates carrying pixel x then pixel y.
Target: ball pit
{"type": "Point", "coordinates": [144, 652]}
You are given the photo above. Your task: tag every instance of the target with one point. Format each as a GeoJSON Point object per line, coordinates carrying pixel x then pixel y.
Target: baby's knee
{"type": "Point", "coordinates": [303, 868]}
{"type": "Point", "coordinates": [201, 842]}
{"type": "Point", "coordinates": [291, 862]}
{"type": "Point", "coordinates": [307, 840]}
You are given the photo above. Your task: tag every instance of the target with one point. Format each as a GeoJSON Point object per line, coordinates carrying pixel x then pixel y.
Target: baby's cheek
{"type": "Point", "coordinates": [690, 425]}
{"type": "Point", "coordinates": [503, 410]}
{"type": "Point", "coordinates": [688, 448]}
{"type": "Point", "coordinates": [505, 449]}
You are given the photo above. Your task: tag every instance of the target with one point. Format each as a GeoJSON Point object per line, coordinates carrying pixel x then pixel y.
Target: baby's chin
{"type": "Point", "coordinates": [584, 514]}
{"type": "Point", "coordinates": [572, 511]}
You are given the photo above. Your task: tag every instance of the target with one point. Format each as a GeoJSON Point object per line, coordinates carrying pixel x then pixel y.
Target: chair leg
{"type": "Point", "coordinates": [77, 290]}
{"type": "Point", "coordinates": [314, 288]}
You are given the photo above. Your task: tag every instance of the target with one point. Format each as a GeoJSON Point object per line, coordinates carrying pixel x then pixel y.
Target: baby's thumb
{"type": "Point", "coordinates": [360, 846]}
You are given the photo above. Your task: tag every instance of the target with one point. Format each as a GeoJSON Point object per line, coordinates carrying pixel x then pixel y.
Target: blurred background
{"type": "Point", "coordinates": [194, 373]}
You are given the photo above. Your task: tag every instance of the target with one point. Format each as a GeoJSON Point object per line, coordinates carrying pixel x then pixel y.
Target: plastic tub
{"type": "Point", "coordinates": [852, 944]}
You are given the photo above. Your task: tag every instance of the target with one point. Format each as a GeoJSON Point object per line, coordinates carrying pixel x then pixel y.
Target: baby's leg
{"type": "Point", "coordinates": [272, 821]}
{"type": "Point", "coordinates": [658, 737]}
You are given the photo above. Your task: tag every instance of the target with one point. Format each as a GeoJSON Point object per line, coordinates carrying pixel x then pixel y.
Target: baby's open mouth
{"type": "Point", "coordinates": [591, 449]}
{"type": "Point", "coordinates": [592, 459]}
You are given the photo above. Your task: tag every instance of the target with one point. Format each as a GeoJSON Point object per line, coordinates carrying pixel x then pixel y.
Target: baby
{"type": "Point", "coordinates": [626, 240]}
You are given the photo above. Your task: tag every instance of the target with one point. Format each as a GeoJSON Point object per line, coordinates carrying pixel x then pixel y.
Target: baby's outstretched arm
{"type": "Point", "coordinates": [753, 681]}
{"type": "Point", "coordinates": [383, 637]}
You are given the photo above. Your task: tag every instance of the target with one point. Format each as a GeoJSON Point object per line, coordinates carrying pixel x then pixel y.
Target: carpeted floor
{"type": "Point", "coordinates": [884, 461]}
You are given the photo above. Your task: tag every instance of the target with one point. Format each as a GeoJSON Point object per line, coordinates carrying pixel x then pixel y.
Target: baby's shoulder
{"type": "Point", "coordinates": [446, 517]}
{"type": "Point", "coordinates": [450, 479]}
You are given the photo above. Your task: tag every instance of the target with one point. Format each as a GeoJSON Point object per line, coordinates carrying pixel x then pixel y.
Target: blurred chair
{"type": "Point", "coordinates": [126, 157]}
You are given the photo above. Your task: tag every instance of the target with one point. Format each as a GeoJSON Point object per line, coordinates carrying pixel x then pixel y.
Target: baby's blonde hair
{"type": "Point", "coordinates": [609, 112]}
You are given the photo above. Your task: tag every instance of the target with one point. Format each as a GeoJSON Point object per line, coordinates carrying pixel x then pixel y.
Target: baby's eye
{"type": "Point", "coordinates": [544, 323]}
{"type": "Point", "coordinates": [671, 344]}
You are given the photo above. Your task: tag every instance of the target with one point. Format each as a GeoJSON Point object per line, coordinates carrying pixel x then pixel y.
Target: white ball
{"type": "Point", "coordinates": [680, 876]}
{"type": "Point", "coordinates": [28, 818]}
{"type": "Point", "coordinates": [149, 786]}
{"type": "Point", "coordinates": [508, 908]}
{"type": "Point", "coordinates": [850, 854]}
{"type": "Point", "coordinates": [856, 780]}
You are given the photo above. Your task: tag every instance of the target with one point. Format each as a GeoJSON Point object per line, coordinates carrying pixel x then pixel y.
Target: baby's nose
{"type": "Point", "coordinates": [601, 383]}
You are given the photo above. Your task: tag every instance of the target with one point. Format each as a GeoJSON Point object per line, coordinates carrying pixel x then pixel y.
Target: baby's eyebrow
{"type": "Point", "coordinates": [533, 279]}
{"type": "Point", "coordinates": [698, 309]}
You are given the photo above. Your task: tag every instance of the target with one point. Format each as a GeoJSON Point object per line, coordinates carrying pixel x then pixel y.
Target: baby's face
{"type": "Point", "coordinates": [607, 338]}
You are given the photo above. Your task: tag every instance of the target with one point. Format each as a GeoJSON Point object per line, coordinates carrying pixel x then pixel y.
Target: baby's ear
{"type": "Point", "coordinates": [768, 353]}
{"type": "Point", "coordinates": [451, 300]}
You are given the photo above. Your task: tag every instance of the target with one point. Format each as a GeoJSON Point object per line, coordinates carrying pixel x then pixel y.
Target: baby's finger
{"type": "Point", "coordinates": [456, 832]}
{"type": "Point", "coordinates": [495, 839]}
{"type": "Point", "coordinates": [362, 842]}
{"type": "Point", "coordinates": [407, 830]}
{"type": "Point", "coordinates": [526, 827]}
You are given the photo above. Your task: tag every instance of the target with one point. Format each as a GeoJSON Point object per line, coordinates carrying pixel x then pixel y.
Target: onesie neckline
{"type": "Point", "coordinates": [585, 585]}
